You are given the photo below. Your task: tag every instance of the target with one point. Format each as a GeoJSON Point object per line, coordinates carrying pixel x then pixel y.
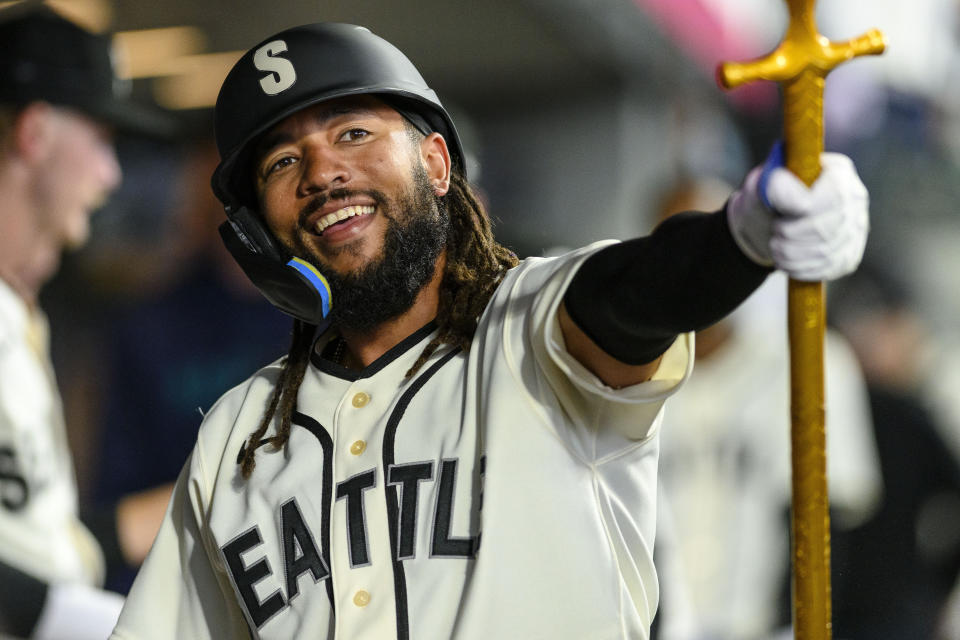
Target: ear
{"type": "Point", "coordinates": [32, 131]}
{"type": "Point", "coordinates": [436, 159]}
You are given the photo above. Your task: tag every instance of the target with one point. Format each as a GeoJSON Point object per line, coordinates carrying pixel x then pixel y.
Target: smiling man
{"type": "Point", "coordinates": [459, 444]}
{"type": "Point", "coordinates": [365, 210]}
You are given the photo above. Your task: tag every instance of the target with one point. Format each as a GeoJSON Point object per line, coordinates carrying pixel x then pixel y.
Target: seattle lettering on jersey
{"type": "Point", "coordinates": [302, 553]}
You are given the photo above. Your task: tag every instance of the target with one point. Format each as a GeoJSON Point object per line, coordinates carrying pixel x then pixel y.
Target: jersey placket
{"type": "Point", "coordinates": [360, 539]}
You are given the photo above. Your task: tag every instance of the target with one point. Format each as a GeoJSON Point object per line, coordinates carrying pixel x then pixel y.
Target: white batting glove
{"type": "Point", "coordinates": [816, 233]}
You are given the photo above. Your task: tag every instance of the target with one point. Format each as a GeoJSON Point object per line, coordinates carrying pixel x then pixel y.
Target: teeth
{"type": "Point", "coordinates": [342, 214]}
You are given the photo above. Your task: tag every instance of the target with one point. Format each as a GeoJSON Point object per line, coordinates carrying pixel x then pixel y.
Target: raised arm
{"type": "Point", "coordinates": [629, 302]}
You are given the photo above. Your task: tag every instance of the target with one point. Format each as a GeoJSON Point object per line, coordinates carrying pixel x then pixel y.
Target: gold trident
{"type": "Point", "coordinates": [801, 64]}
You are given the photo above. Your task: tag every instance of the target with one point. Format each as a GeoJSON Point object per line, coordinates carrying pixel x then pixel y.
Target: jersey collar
{"type": "Point", "coordinates": [319, 355]}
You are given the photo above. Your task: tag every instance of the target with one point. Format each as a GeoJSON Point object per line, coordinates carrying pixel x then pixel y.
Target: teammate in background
{"type": "Point", "coordinates": [905, 595]}
{"type": "Point", "coordinates": [466, 446]}
{"type": "Point", "coordinates": [58, 104]}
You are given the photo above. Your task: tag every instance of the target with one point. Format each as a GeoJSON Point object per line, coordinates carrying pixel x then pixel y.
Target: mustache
{"type": "Point", "coordinates": [319, 201]}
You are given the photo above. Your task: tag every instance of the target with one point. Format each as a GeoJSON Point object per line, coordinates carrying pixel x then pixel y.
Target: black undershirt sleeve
{"type": "Point", "coordinates": [21, 600]}
{"type": "Point", "coordinates": [633, 299]}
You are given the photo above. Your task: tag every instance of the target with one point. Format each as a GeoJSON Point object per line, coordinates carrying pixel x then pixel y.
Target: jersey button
{"type": "Point", "coordinates": [361, 598]}
{"type": "Point", "coordinates": [358, 447]}
{"type": "Point", "coordinates": [361, 399]}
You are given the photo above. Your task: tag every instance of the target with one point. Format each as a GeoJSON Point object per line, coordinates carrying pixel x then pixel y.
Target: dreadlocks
{"type": "Point", "coordinates": [476, 263]}
{"type": "Point", "coordinates": [284, 396]}
{"type": "Point", "coordinates": [475, 266]}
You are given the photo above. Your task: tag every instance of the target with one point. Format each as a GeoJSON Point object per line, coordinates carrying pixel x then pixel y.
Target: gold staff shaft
{"type": "Point", "coordinates": [806, 319]}
{"type": "Point", "coordinates": [801, 63]}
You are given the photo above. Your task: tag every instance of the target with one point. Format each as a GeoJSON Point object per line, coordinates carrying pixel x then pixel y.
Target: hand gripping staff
{"type": "Point", "coordinates": [801, 63]}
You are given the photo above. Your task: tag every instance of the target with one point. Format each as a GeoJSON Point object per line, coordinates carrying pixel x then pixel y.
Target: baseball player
{"type": "Point", "coordinates": [458, 444]}
{"type": "Point", "coordinates": [58, 102]}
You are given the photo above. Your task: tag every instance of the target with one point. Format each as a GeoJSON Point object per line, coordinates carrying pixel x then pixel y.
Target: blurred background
{"type": "Point", "coordinates": [582, 119]}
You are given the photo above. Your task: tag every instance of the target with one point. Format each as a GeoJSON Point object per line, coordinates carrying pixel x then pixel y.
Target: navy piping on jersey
{"type": "Point", "coordinates": [326, 443]}
{"type": "Point", "coordinates": [393, 499]}
{"type": "Point", "coordinates": [339, 371]}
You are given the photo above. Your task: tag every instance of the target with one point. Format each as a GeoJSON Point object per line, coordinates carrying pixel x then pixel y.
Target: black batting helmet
{"type": "Point", "coordinates": [306, 65]}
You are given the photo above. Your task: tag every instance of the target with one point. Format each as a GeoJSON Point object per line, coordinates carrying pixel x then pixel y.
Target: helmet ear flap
{"type": "Point", "coordinates": [248, 228]}
{"type": "Point", "coordinates": [291, 284]}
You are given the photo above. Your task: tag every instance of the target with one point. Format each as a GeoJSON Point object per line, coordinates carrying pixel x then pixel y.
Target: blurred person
{"type": "Point", "coordinates": [458, 443]}
{"type": "Point", "coordinates": [725, 463]}
{"type": "Point", "coordinates": [59, 103]}
{"type": "Point", "coordinates": [168, 357]}
{"type": "Point", "coordinates": [896, 570]}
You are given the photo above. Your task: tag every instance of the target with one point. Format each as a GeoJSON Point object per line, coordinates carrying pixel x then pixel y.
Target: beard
{"type": "Point", "coordinates": [387, 287]}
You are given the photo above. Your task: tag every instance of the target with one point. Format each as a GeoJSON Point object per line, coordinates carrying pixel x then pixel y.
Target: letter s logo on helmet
{"type": "Point", "coordinates": [302, 66]}
{"type": "Point", "coordinates": [282, 75]}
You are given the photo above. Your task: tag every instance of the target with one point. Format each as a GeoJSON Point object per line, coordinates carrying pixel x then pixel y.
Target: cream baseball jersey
{"type": "Point", "coordinates": [502, 492]}
{"type": "Point", "coordinates": [40, 532]}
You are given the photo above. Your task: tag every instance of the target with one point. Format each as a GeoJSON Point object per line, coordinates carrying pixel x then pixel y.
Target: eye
{"type": "Point", "coordinates": [353, 135]}
{"type": "Point", "coordinates": [277, 165]}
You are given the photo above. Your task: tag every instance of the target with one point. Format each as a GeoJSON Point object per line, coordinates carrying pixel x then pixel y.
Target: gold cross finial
{"type": "Point", "coordinates": [801, 63]}
{"type": "Point", "coordinates": [802, 47]}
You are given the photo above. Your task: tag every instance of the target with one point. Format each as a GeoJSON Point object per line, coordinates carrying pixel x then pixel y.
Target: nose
{"type": "Point", "coordinates": [324, 169]}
